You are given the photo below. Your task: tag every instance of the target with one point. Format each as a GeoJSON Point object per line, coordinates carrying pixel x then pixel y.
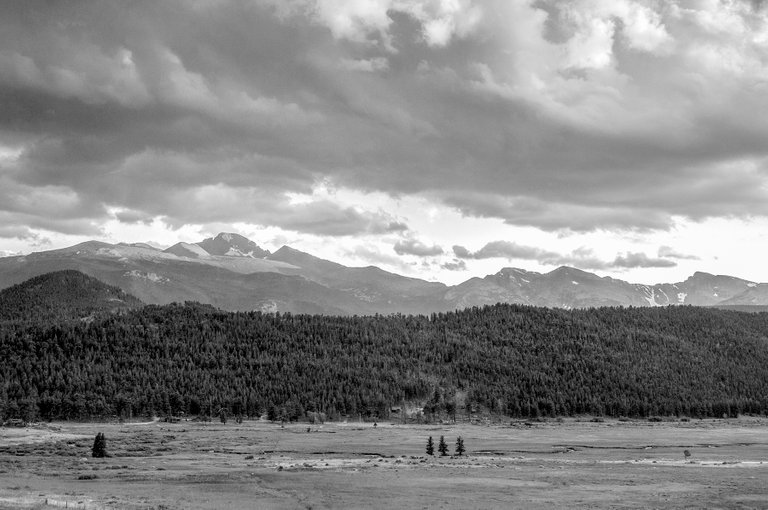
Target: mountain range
{"type": "Point", "coordinates": [232, 272]}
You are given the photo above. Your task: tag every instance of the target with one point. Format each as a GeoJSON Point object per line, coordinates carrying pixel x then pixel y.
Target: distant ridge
{"type": "Point", "coordinates": [234, 273]}
{"type": "Point", "coordinates": [64, 294]}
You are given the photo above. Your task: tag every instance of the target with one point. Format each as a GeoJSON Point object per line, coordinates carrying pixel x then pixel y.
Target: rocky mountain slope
{"type": "Point", "coordinates": [234, 273]}
{"type": "Point", "coordinates": [567, 287]}
{"type": "Point", "coordinates": [233, 245]}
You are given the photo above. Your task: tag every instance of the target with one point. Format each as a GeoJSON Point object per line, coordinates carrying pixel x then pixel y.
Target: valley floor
{"type": "Point", "coordinates": [572, 464]}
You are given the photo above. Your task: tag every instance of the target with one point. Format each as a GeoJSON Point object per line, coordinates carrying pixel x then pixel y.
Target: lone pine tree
{"type": "Point", "coordinates": [430, 446]}
{"type": "Point", "coordinates": [460, 446]}
{"type": "Point", "coordinates": [442, 447]}
{"type": "Point", "coordinates": [99, 446]}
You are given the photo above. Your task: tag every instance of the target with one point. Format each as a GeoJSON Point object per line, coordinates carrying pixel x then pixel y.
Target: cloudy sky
{"type": "Point", "coordinates": [437, 138]}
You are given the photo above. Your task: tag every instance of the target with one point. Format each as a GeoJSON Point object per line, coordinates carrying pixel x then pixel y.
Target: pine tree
{"type": "Point", "coordinates": [460, 446]}
{"type": "Point", "coordinates": [442, 447]}
{"type": "Point", "coordinates": [430, 446]}
{"type": "Point", "coordinates": [99, 446]}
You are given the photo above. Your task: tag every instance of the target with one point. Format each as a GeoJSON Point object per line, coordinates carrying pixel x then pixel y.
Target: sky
{"type": "Point", "coordinates": [441, 139]}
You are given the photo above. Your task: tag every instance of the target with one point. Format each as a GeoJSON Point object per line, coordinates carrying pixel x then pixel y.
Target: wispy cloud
{"type": "Point", "coordinates": [668, 252]}
{"type": "Point", "coordinates": [633, 260]}
{"type": "Point", "coordinates": [583, 258]}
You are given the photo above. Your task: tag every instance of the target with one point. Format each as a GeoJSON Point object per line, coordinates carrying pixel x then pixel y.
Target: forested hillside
{"type": "Point", "coordinates": [508, 359]}
{"type": "Point", "coordinates": [62, 295]}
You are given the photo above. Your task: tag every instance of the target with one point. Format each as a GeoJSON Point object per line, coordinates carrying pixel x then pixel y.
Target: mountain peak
{"type": "Point", "coordinates": [514, 273]}
{"type": "Point", "coordinates": [232, 245]}
{"type": "Point", "coordinates": [702, 274]}
{"type": "Point", "coordinates": [570, 271]}
{"type": "Point", "coordinates": [230, 237]}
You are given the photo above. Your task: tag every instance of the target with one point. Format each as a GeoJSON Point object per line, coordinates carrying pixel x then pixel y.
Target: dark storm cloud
{"type": "Point", "coordinates": [577, 116]}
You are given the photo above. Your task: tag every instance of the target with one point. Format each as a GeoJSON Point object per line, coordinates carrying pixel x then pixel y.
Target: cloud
{"type": "Point", "coordinates": [128, 216]}
{"type": "Point", "coordinates": [582, 116]}
{"type": "Point", "coordinates": [415, 247]}
{"type": "Point", "coordinates": [455, 265]}
{"type": "Point", "coordinates": [21, 233]}
{"type": "Point", "coordinates": [16, 232]}
{"type": "Point", "coordinates": [371, 255]}
{"type": "Point", "coordinates": [667, 252]}
{"type": "Point", "coordinates": [633, 260]}
{"type": "Point", "coordinates": [504, 249]}
{"type": "Point", "coordinates": [367, 65]}
{"type": "Point", "coordinates": [370, 21]}
{"type": "Point", "coordinates": [583, 258]}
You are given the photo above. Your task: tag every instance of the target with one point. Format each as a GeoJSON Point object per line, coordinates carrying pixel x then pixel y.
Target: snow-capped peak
{"type": "Point", "coordinates": [232, 245]}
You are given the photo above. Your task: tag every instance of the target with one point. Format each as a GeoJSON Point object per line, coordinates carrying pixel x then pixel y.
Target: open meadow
{"type": "Point", "coordinates": [565, 464]}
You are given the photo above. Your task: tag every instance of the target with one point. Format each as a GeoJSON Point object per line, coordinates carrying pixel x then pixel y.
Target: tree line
{"type": "Point", "coordinates": [512, 360]}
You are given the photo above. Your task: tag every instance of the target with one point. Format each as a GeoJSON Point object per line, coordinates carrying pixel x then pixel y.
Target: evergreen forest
{"type": "Point", "coordinates": [511, 360]}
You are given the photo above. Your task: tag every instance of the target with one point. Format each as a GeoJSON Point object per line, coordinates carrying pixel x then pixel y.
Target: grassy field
{"type": "Point", "coordinates": [569, 464]}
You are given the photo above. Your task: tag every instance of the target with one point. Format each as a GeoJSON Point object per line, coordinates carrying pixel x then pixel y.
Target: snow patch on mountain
{"type": "Point", "coordinates": [269, 307]}
{"type": "Point", "coordinates": [152, 277]}
{"type": "Point", "coordinates": [234, 252]}
{"type": "Point", "coordinates": [650, 296]}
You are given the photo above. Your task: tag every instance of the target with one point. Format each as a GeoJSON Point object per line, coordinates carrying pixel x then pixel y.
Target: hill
{"type": "Point", "coordinates": [62, 295]}
{"type": "Point", "coordinates": [507, 359]}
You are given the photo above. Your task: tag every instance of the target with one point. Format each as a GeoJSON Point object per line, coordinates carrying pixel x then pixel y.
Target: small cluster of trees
{"type": "Point", "coordinates": [99, 449]}
{"type": "Point", "coordinates": [442, 446]}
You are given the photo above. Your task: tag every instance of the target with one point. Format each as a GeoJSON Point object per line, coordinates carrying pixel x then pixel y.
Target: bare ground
{"type": "Point", "coordinates": [573, 464]}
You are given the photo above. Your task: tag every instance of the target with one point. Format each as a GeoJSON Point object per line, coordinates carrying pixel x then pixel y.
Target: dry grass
{"type": "Point", "coordinates": [572, 464]}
